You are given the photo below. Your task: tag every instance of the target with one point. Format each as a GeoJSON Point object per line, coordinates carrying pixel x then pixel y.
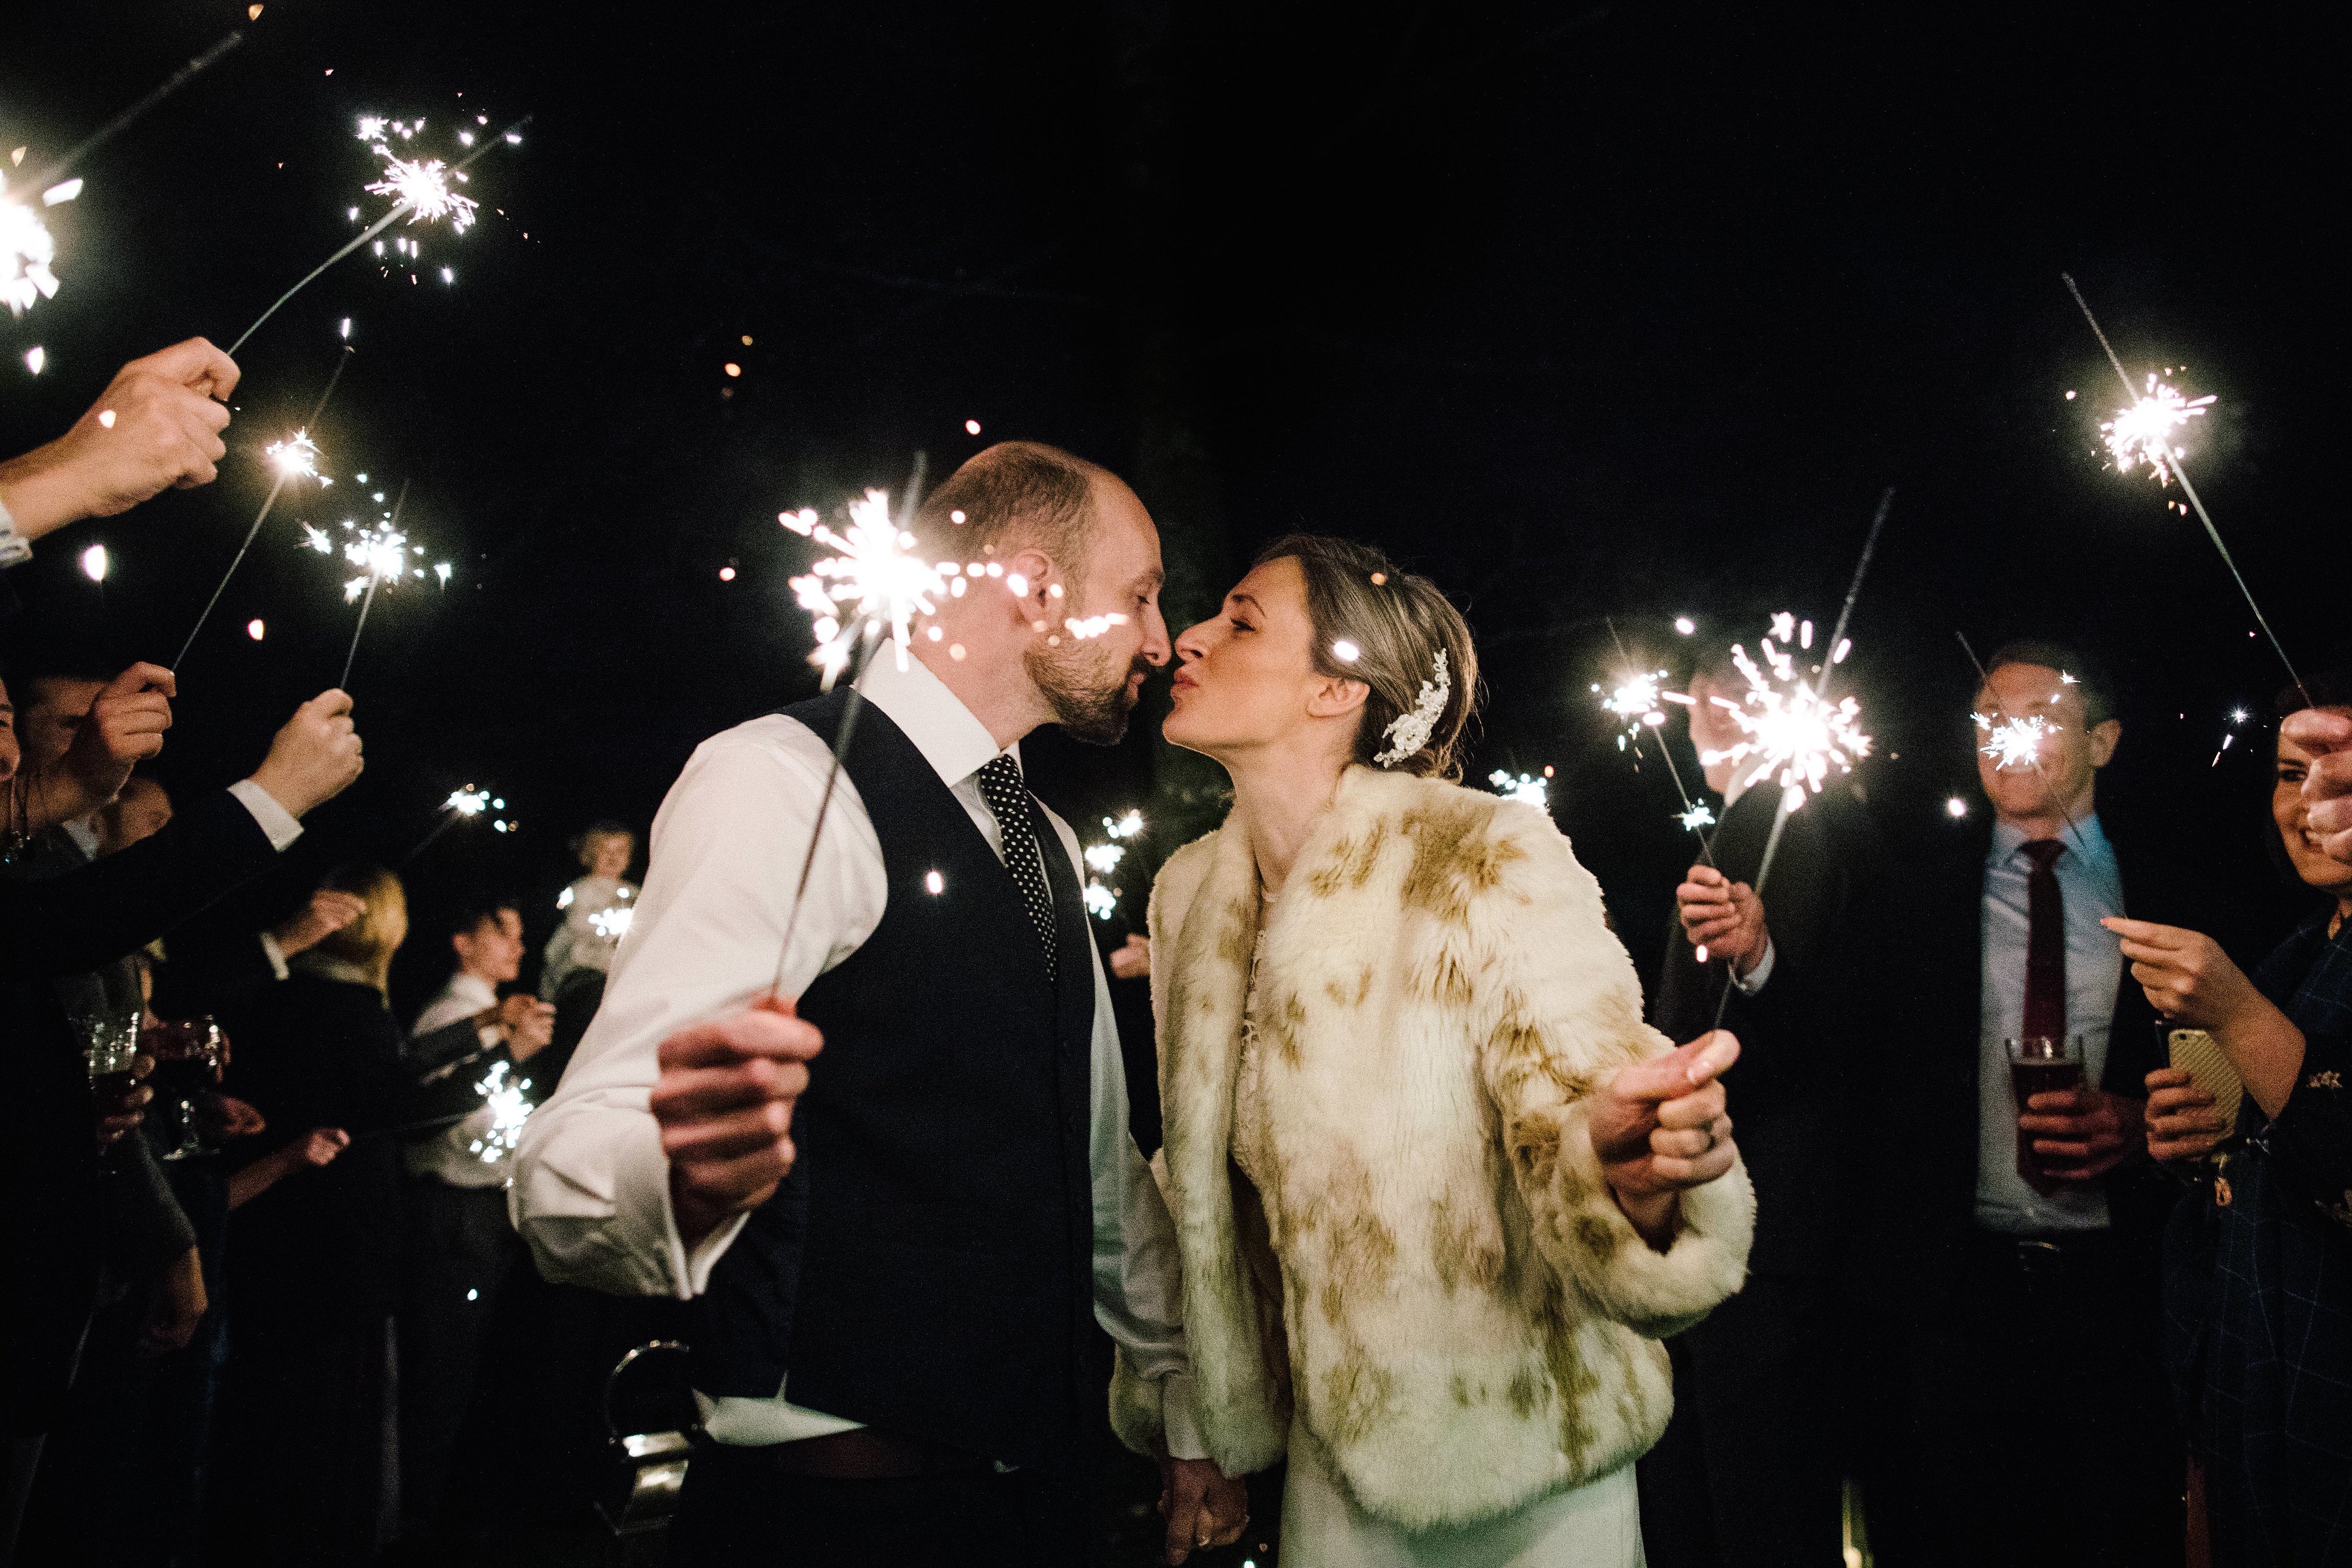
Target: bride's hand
{"type": "Point", "coordinates": [1662, 1126]}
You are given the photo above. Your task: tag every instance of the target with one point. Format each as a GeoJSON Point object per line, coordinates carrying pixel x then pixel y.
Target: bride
{"type": "Point", "coordinates": [1438, 1189]}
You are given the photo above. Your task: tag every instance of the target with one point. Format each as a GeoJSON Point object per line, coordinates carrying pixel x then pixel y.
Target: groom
{"type": "Point", "coordinates": [897, 1253]}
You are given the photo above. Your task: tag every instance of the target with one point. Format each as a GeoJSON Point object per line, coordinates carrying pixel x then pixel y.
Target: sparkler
{"type": "Point", "coordinates": [383, 554]}
{"type": "Point", "coordinates": [612, 924]}
{"type": "Point", "coordinates": [2145, 433]}
{"type": "Point", "coordinates": [505, 1097]}
{"type": "Point", "coordinates": [291, 458]}
{"type": "Point", "coordinates": [420, 195]}
{"type": "Point", "coordinates": [2015, 743]}
{"type": "Point", "coordinates": [1525, 787]}
{"type": "Point", "coordinates": [1811, 727]}
{"type": "Point", "coordinates": [463, 805]}
{"type": "Point", "coordinates": [883, 599]}
{"type": "Point", "coordinates": [2032, 752]}
{"type": "Point", "coordinates": [1636, 701]}
{"type": "Point", "coordinates": [875, 582]}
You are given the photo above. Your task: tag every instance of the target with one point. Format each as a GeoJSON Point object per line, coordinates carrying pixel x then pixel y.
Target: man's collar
{"type": "Point", "coordinates": [467, 986]}
{"type": "Point", "coordinates": [2085, 837]}
{"type": "Point", "coordinates": [948, 734]}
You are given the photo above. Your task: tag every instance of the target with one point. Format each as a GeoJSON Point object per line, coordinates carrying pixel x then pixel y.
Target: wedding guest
{"type": "Point", "coordinates": [2017, 1246]}
{"type": "Point", "coordinates": [461, 1247]}
{"type": "Point", "coordinates": [302, 1456]}
{"type": "Point", "coordinates": [2327, 737]}
{"type": "Point", "coordinates": [596, 908]}
{"type": "Point", "coordinates": [56, 1190]}
{"type": "Point", "coordinates": [1751, 1467]}
{"type": "Point", "coordinates": [2258, 1290]}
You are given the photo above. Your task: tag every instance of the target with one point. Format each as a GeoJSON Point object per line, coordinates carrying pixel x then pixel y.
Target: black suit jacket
{"type": "Point", "coordinates": [1806, 1037]}
{"type": "Point", "coordinates": [1929, 957]}
{"type": "Point", "coordinates": [52, 1237]}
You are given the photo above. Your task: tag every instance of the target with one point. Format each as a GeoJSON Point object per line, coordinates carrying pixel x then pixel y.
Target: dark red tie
{"type": "Point", "coordinates": [2045, 942]}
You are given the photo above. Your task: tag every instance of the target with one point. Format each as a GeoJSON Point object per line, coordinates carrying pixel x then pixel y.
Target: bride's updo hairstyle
{"type": "Point", "coordinates": [1395, 623]}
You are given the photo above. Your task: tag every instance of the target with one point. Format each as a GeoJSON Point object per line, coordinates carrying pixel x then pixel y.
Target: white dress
{"type": "Point", "coordinates": [1596, 1525]}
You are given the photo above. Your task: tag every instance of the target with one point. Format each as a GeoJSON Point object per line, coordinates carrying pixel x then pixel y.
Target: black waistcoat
{"type": "Point", "coordinates": [927, 1268]}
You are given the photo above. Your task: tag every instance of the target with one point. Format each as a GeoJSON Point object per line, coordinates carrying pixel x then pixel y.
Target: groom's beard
{"type": "Point", "coordinates": [1086, 688]}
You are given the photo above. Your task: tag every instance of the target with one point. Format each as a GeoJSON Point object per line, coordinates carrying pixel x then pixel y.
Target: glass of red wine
{"type": "Point", "coordinates": [2040, 1063]}
{"type": "Point", "coordinates": [188, 1059]}
{"type": "Point", "coordinates": [111, 1045]}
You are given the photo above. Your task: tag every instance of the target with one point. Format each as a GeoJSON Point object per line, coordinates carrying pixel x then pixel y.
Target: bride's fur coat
{"type": "Point", "coordinates": [1461, 1315]}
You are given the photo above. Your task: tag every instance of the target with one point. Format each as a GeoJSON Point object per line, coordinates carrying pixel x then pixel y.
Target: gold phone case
{"type": "Point", "coordinates": [2194, 1051]}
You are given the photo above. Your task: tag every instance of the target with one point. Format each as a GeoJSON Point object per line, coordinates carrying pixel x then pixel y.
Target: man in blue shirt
{"type": "Point", "coordinates": [2017, 1246]}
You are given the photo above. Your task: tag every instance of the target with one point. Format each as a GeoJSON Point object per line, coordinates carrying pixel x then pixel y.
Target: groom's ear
{"type": "Point", "coordinates": [1334, 697]}
{"type": "Point", "coordinates": [1030, 580]}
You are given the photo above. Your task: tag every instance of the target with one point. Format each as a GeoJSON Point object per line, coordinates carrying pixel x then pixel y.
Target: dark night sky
{"type": "Point", "coordinates": [1586, 311]}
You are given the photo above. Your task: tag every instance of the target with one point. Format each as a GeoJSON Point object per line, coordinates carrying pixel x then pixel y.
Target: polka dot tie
{"type": "Point", "coordinates": [1001, 786]}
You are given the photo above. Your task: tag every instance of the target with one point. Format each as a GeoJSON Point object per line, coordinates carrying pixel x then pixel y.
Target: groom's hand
{"type": "Point", "coordinates": [724, 1100]}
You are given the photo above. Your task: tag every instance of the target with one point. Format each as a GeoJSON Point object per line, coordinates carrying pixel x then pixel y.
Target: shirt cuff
{"type": "Point", "coordinates": [1753, 981]}
{"type": "Point", "coordinates": [1180, 1418]}
{"type": "Point", "coordinates": [275, 953]}
{"type": "Point", "coordinates": [13, 548]}
{"type": "Point", "coordinates": [275, 819]}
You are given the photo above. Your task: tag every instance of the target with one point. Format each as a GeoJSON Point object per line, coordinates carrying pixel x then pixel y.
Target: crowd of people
{"type": "Point", "coordinates": [2032, 1243]}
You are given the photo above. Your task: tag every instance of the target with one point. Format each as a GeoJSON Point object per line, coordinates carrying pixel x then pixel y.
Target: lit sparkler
{"type": "Point", "coordinates": [1635, 701]}
{"type": "Point", "coordinates": [1128, 826]}
{"type": "Point", "coordinates": [1522, 787]}
{"type": "Point", "coordinates": [1105, 858]}
{"type": "Point", "coordinates": [26, 249]}
{"type": "Point", "coordinates": [2142, 433]}
{"type": "Point", "coordinates": [506, 1099]}
{"type": "Point", "coordinates": [2015, 743]}
{"type": "Point", "coordinates": [612, 924]}
{"type": "Point", "coordinates": [2146, 436]}
{"type": "Point", "coordinates": [295, 457]}
{"type": "Point", "coordinates": [1696, 815]}
{"type": "Point", "coordinates": [1101, 903]}
{"type": "Point", "coordinates": [1789, 732]}
{"type": "Point", "coordinates": [874, 585]}
{"type": "Point", "coordinates": [466, 801]}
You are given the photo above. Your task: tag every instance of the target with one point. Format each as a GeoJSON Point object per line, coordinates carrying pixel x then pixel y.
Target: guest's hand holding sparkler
{"type": "Point", "coordinates": [156, 427]}
{"type": "Point", "coordinates": [315, 757]}
{"type": "Point", "coordinates": [1661, 1127]}
{"type": "Point", "coordinates": [1723, 918]}
{"type": "Point", "coordinates": [329, 911]}
{"type": "Point", "coordinates": [529, 1024]}
{"type": "Point", "coordinates": [2327, 786]}
{"type": "Point", "coordinates": [724, 1100]}
{"type": "Point", "coordinates": [125, 726]}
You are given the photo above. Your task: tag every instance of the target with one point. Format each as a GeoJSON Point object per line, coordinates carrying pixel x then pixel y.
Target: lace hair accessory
{"type": "Point", "coordinates": [1408, 732]}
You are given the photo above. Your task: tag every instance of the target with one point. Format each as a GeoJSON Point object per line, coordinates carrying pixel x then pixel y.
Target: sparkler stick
{"type": "Point", "coordinates": [1690, 808]}
{"type": "Point", "coordinates": [1820, 685]}
{"type": "Point", "coordinates": [285, 472]}
{"type": "Point", "coordinates": [400, 209]}
{"type": "Point", "coordinates": [870, 639]}
{"type": "Point", "coordinates": [123, 121]}
{"type": "Point", "coordinates": [374, 578]}
{"type": "Point", "coordinates": [2171, 454]}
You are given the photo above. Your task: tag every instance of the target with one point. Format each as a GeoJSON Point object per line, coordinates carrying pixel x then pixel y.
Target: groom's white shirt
{"type": "Point", "coordinates": [591, 1189]}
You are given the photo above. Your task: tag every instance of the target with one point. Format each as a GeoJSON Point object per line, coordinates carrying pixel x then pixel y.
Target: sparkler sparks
{"type": "Point", "coordinates": [1523, 787]}
{"type": "Point", "coordinates": [1635, 701]}
{"type": "Point", "coordinates": [1696, 815]}
{"type": "Point", "coordinates": [1101, 903]}
{"type": "Point", "coordinates": [420, 185]}
{"type": "Point", "coordinates": [2015, 743]}
{"type": "Point", "coordinates": [297, 456]}
{"type": "Point", "coordinates": [874, 584]}
{"type": "Point", "coordinates": [1128, 826]}
{"type": "Point", "coordinates": [612, 924]}
{"type": "Point", "coordinates": [506, 1098]}
{"type": "Point", "coordinates": [466, 801]}
{"type": "Point", "coordinates": [2142, 433]}
{"type": "Point", "coordinates": [26, 249]}
{"type": "Point", "coordinates": [1788, 730]}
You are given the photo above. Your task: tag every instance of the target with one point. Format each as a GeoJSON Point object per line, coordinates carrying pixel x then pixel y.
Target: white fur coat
{"type": "Point", "coordinates": [1461, 1313]}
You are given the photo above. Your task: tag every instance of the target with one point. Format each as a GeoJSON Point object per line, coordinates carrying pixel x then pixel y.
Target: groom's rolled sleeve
{"type": "Point", "coordinates": [592, 1194]}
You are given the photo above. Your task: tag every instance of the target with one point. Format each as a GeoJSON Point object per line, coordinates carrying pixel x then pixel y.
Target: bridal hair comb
{"type": "Point", "coordinates": [1408, 732]}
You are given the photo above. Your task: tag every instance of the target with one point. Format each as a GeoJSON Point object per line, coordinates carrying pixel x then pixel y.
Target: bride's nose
{"type": "Point", "coordinates": [1191, 645]}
